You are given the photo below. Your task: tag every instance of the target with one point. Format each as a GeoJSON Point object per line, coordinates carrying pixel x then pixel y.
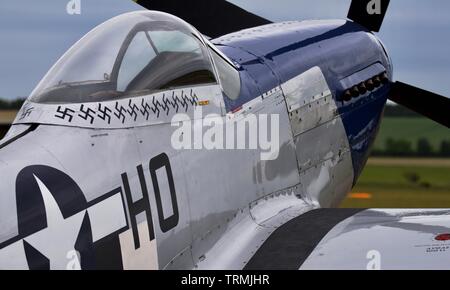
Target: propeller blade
{"type": "Point", "coordinates": [431, 105]}
{"type": "Point", "coordinates": [213, 18]}
{"type": "Point", "coordinates": [368, 13]}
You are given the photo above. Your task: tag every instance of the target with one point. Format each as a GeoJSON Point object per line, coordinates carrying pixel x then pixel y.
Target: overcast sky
{"type": "Point", "coordinates": [34, 34]}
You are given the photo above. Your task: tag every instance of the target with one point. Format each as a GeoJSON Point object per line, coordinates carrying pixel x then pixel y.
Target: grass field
{"type": "Point", "coordinates": [411, 129]}
{"type": "Point", "coordinates": [7, 116]}
{"type": "Point", "coordinates": [402, 183]}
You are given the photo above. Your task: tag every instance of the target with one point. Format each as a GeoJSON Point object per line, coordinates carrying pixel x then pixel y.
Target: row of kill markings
{"type": "Point", "coordinates": [130, 111]}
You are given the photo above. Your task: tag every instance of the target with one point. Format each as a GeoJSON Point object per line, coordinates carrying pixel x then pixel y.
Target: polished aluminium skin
{"type": "Point", "coordinates": [137, 203]}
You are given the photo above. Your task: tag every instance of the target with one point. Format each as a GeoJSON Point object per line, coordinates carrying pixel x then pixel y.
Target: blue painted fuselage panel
{"type": "Point", "coordinates": [273, 54]}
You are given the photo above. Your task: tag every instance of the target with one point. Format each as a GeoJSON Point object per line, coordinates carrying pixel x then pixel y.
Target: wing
{"type": "Point", "coordinates": [341, 239]}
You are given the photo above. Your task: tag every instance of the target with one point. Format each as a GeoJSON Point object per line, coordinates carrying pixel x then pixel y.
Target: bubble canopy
{"type": "Point", "coordinates": [133, 54]}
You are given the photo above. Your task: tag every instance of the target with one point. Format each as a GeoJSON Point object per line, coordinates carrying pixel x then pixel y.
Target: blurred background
{"type": "Point", "coordinates": [410, 163]}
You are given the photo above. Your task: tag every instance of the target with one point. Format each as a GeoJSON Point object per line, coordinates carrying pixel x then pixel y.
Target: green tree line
{"type": "Point", "coordinates": [11, 105]}
{"type": "Point", "coordinates": [404, 148]}
{"type": "Point", "coordinates": [399, 111]}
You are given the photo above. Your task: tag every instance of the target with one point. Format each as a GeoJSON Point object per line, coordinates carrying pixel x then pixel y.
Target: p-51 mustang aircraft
{"type": "Point", "coordinates": [91, 179]}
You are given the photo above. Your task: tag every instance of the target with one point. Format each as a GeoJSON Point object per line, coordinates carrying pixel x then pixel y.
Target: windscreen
{"type": "Point", "coordinates": [130, 55]}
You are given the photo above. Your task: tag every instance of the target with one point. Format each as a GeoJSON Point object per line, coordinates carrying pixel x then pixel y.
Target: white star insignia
{"type": "Point", "coordinates": [57, 241]}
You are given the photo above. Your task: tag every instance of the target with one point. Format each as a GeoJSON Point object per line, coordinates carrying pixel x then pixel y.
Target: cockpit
{"type": "Point", "coordinates": [130, 55]}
